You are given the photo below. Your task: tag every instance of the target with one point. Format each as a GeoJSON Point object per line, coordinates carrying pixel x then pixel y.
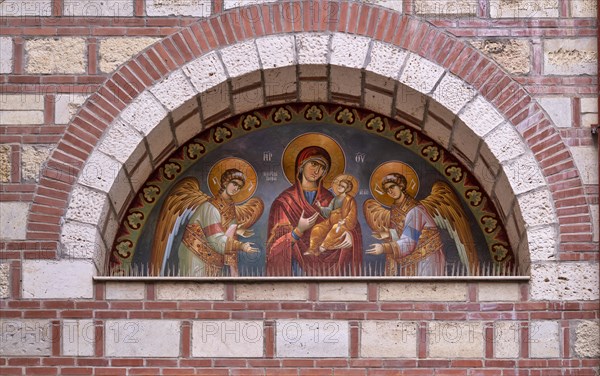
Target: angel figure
{"type": "Point", "coordinates": [340, 215]}
{"type": "Point", "coordinates": [210, 239]}
{"type": "Point", "coordinates": [409, 230]}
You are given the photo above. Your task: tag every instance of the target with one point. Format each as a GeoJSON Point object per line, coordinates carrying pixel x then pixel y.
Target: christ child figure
{"type": "Point", "coordinates": [340, 216]}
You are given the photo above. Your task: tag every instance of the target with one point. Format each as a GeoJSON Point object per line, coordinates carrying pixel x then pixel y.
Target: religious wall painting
{"type": "Point", "coordinates": [311, 190]}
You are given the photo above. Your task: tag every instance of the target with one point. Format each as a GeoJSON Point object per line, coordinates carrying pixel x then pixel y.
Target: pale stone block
{"type": "Point", "coordinates": [174, 90]}
{"type": "Point", "coordinates": [570, 56]}
{"type": "Point", "coordinates": [144, 113]}
{"type": "Point", "coordinates": [160, 139]}
{"type": "Point", "coordinates": [78, 337]}
{"type": "Point", "coordinates": [123, 143]}
{"type": "Point", "coordinates": [349, 50]}
{"type": "Point", "coordinates": [29, 338]}
{"type": "Point", "coordinates": [312, 339]}
{"type": "Point", "coordinates": [450, 340]}
{"type": "Point", "coordinates": [498, 292]}
{"type": "Point", "coordinates": [5, 163]}
{"type": "Point", "coordinates": [346, 81]}
{"type": "Point", "coordinates": [391, 4]}
{"type": "Point", "coordinates": [13, 220]}
{"type": "Point", "coordinates": [378, 102]}
{"type": "Point", "coordinates": [277, 51]}
{"type": "Point", "coordinates": [543, 243]}
{"type": "Point", "coordinates": [507, 339]}
{"type": "Point", "coordinates": [6, 54]}
{"type": "Point", "coordinates": [188, 129]}
{"type": "Point", "coordinates": [87, 206]}
{"type": "Point", "coordinates": [190, 291]}
{"type": "Point", "coordinates": [481, 116]}
{"type": "Point", "coordinates": [26, 8]}
{"type": "Point", "coordinates": [514, 55]}
{"type": "Point", "coordinates": [248, 100]}
{"type": "Point", "coordinates": [80, 241]}
{"type": "Point", "coordinates": [410, 102]}
{"type": "Point", "coordinates": [559, 110]}
{"type": "Point", "coordinates": [21, 117]}
{"type": "Point", "coordinates": [32, 159]}
{"type": "Point", "coordinates": [594, 211]}
{"type": "Point", "coordinates": [544, 339]}
{"type": "Point", "coordinates": [523, 8]}
{"type": "Point", "coordinates": [584, 8]}
{"type": "Point", "coordinates": [589, 105]}
{"type": "Point", "coordinates": [107, 175]}
{"type": "Point", "coordinates": [228, 4]}
{"type": "Point", "coordinates": [109, 228]}
{"type": "Point", "coordinates": [280, 82]}
{"type": "Point", "coordinates": [423, 291]}
{"type": "Point", "coordinates": [66, 106]}
{"type": "Point", "coordinates": [279, 291]}
{"type": "Point", "coordinates": [388, 339]}
{"type": "Point", "coordinates": [22, 102]}
{"type": "Point", "coordinates": [344, 291]}
{"type": "Point", "coordinates": [4, 280]}
{"type": "Point", "coordinates": [524, 174]}
{"type": "Point", "coordinates": [505, 143]}
{"type": "Point", "coordinates": [193, 8]}
{"type": "Point", "coordinates": [453, 93]}
{"type": "Point", "coordinates": [586, 160]}
{"type": "Point", "coordinates": [421, 74]}
{"type": "Point", "coordinates": [485, 172]}
{"type": "Point", "coordinates": [140, 173]}
{"type": "Point", "coordinates": [116, 51]}
{"type": "Point", "coordinates": [205, 72]}
{"type": "Point", "coordinates": [125, 290]}
{"type": "Point", "coordinates": [142, 338]}
{"type": "Point", "coordinates": [566, 281]}
{"type": "Point", "coordinates": [587, 339]}
{"type": "Point", "coordinates": [98, 8]}
{"type": "Point", "coordinates": [537, 208]}
{"type": "Point", "coordinates": [227, 339]}
{"type": "Point", "coordinates": [240, 59]}
{"type": "Point", "coordinates": [312, 48]}
{"type": "Point", "coordinates": [56, 55]}
{"type": "Point", "coordinates": [503, 194]}
{"type": "Point", "coordinates": [544, 285]}
{"type": "Point", "coordinates": [313, 91]}
{"type": "Point", "coordinates": [63, 279]}
{"type": "Point", "coordinates": [386, 60]}
{"type": "Point", "coordinates": [589, 120]}
{"type": "Point", "coordinates": [447, 7]}
{"type": "Point", "coordinates": [438, 131]}
{"type": "Point", "coordinates": [465, 140]}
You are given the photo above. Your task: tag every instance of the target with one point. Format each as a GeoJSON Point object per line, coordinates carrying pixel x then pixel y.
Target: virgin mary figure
{"type": "Point", "coordinates": [310, 163]}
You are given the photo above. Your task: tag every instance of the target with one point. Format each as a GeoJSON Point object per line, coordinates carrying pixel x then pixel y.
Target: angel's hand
{"type": "Point", "coordinates": [249, 248]}
{"type": "Point", "coordinates": [382, 235]}
{"type": "Point", "coordinates": [376, 249]}
{"type": "Point", "coordinates": [244, 233]}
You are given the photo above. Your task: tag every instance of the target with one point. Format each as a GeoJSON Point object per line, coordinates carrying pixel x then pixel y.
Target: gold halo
{"type": "Point", "coordinates": [291, 151]}
{"type": "Point", "coordinates": [214, 177]}
{"type": "Point", "coordinates": [386, 168]}
{"type": "Point", "coordinates": [336, 182]}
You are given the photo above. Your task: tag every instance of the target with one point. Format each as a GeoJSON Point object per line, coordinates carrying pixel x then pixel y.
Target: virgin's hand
{"type": "Point", "coordinates": [306, 223]}
{"type": "Point", "coordinates": [376, 249]}
{"type": "Point", "coordinates": [347, 242]}
{"type": "Point", "coordinates": [249, 248]}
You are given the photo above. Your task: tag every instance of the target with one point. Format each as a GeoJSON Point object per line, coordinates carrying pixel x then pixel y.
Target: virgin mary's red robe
{"type": "Point", "coordinates": [284, 215]}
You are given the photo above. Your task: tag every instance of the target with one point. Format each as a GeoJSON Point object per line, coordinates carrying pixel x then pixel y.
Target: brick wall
{"type": "Point", "coordinates": [531, 65]}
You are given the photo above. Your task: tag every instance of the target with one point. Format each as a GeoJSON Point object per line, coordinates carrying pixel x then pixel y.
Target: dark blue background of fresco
{"type": "Point", "coordinates": [253, 148]}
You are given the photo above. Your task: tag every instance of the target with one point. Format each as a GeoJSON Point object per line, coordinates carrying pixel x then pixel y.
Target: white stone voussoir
{"type": "Point", "coordinates": [87, 206]}
{"type": "Point", "coordinates": [453, 93]}
{"type": "Point", "coordinates": [144, 113]}
{"type": "Point", "coordinates": [386, 60]}
{"type": "Point", "coordinates": [312, 48]}
{"type": "Point", "coordinates": [421, 74]}
{"type": "Point", "coordinates": [123, 143]}
{"type": "Point", "coordinates": [240, 59]}
{"type": "Point", "coordinates": [480, 116]}
{"type": "Point", "coordinates": [276, 51]}
{"type": "Point", "coordinates": [81, 241]}
{"type": "Point", "coordinates": [174, 90]}
{"type": "Point", "coordinates": [505, 142]}
{"type": "Point", "coordinates": [543, 243]}
{"type": "Point", "coordinates": [537, 208]}
{"type": "Point", "coordinates": [205, 72]}
{"type": "Point", "coordinates": [349, 50]}
{"type": "Point", "coordinates": [524, 174]}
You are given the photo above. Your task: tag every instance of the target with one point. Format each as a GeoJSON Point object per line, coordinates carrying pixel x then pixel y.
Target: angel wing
{"type": "Point", "coordinates": [444, 206]}
{"type": "Point", "coordinates": [248, 213]}
{"type": "Point", "coordinates": [378, 217]}
{"type": "Point", "coordinates": [178, 207]}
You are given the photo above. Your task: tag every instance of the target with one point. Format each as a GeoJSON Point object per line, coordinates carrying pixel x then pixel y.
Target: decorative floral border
{"type": "Point", "coordinates": [435, 155]}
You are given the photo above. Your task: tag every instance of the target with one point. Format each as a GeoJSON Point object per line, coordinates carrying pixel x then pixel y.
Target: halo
{"type": "Point", "coordinates": [386, 168]}
{"type": "Point", "coordinates": [337, 179]}
{"type": "Point", "coordinates": [291, 151]}
{"type": "Point", "coordinates": [214, 177]}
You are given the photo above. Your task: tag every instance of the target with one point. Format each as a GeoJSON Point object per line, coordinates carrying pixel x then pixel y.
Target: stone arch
{"type": "Point", "coordinates": [222, 68]}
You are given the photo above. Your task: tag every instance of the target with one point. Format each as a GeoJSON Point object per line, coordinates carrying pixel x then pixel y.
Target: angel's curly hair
{"type": "Point", "coordinates": [395, 178]}
{"type": "Point", "coordinates": [231, 174]}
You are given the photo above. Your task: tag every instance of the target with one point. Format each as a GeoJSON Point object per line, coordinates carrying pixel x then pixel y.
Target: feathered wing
{"type": "Point", "coordinates": [248, 213]}
{"type": "Point", "coordinates": [444, 206]}
{"type": "Point", "coordinates": [183, 199]}
{"type": "Point", "coordinates": [377, 216]}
